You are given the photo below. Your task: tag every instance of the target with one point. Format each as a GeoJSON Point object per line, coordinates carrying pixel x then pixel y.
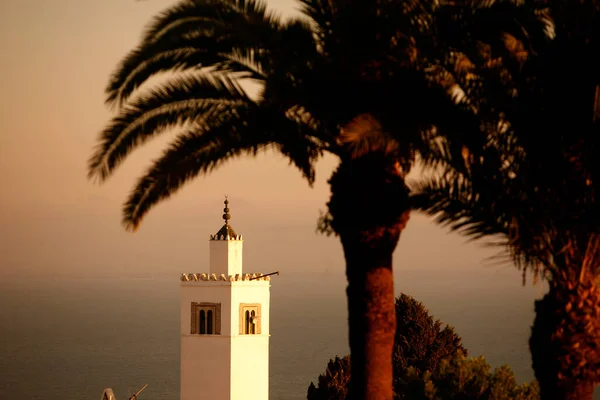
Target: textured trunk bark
{"type": "Point", "coordinates": [371, 320]}
{"type": "Point", "coordinates": [369, 208]}
{"type": "Point", "coordinates": [564, 343]}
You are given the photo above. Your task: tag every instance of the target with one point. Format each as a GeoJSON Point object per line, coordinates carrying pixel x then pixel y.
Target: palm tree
{"type": "Point", "coordinates": [367, 96]}
{"type": "Point", "coordinates": [306, 97]}
{"type": "Point", "coordinates": [542, 229]}
{"type": "Point", "coordinates": [534, 188]}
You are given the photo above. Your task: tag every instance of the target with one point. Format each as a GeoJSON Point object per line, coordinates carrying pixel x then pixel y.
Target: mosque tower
{"type": "Point", "coordinates": [225, 325]}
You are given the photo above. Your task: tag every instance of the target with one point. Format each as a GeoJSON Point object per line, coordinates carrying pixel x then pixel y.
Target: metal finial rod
{"type": "Point", "coordinates": [226, 215]}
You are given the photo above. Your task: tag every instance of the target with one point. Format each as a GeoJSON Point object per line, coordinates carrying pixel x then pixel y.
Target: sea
{"type": "Point", "coordinates": [71, 337]}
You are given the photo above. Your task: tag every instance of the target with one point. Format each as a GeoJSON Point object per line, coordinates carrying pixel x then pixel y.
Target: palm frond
{"type": "Point", "coordinates": [322, 14]}
{"type": "Point", "coordinates": [302, 154]}
{"type": "Point", "coordinates": [457, 131]}
{"type": "Point", "coordinates": [365, 134]}
{"type": "Point", "coordinates": [197, 12]}
{"type": "Point", "coordinates": [249, 62]}
{"type": "Point", "coordinates": [196, 34]}
{"type": "Point", "coordinates": [490, 200]}
{"type": "Point", "coordinates": [453, 204]}
{"type": "Point", "coordinates": [188, 98]}
{"type": "Point", "coordinates": [209, 145]}
{"type": "Point", "coordinates": [462, 26]}
{"type": "Point", "coordinates": [169, 23]}
{"type": "Point", "coordinates": [298, 42]}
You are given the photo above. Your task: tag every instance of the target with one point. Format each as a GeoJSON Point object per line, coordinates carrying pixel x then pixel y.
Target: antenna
{"type": "Point", "coordinates": [262, 276]}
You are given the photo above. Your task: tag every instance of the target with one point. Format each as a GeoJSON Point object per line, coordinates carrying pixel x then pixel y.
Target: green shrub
{"type": "Point", "coordinates": [462, 378]}
{"type": "Point", "coordinates": [430, 363]}
{"type": "Point", "coordinates": [333, 384]}
{"type": "Point", "coordinates": [421, 342]}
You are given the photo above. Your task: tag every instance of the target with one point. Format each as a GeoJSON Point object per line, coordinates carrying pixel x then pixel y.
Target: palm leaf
{"type": "Point", "coordinates": [188, 98]}
{"type": "Point", "coordinates": [491, 201]}
{"type": "Point", "coordinates": [196, 34]}
{"type": "Point", "coordinates": [192, 14]}
{"type": "Point", "coordinates": [322, 16]}
{"type": "Point", "coordinates": [201, 150]}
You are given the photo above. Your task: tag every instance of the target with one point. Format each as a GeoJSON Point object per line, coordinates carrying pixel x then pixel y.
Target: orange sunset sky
{"type": "Point", "coordinates": [57, 56]}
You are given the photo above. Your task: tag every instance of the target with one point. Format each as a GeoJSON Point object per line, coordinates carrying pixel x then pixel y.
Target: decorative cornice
{"type": "Point", "coordinates": [223, 278]}
{"type": "Point", "coordinates": [226, 236]}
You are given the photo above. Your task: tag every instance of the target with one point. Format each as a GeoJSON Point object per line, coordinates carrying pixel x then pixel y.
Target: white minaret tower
{"type": "Point", "coordinates": [225, 326]}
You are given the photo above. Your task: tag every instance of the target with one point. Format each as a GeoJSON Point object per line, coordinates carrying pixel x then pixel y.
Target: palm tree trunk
{"type": "Point", "coordinates": [369, 209]}
{"type": "Point", "coordinates": [371, 320]}
{"type": "Point", "coordinates": [565, 340]}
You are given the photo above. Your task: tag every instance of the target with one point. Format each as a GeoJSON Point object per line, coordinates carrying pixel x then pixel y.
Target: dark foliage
{"type": "Point", "coordinates": [421, 343]}
{"type": "Point", "coordinates": [334, 383]}
{"type": "Point", "coordinates": [532, 188]}
{"type": "Point", "coordinates": [460, 378]}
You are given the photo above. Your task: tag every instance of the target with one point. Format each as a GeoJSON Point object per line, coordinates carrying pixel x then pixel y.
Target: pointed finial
{"type": "Point", "coordinates": [226, 215]}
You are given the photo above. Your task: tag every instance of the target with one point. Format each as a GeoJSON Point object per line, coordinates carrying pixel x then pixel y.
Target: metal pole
{"type": "Point", "coordinates": [258, 277]}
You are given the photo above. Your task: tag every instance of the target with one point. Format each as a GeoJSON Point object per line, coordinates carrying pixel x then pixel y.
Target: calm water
{"type": "Point", "coordinates": [71, 338]}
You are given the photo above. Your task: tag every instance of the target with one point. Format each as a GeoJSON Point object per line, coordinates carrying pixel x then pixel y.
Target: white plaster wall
{"type": "Point", "coordinates": [229, 366]}
{"type": "Point", "coordinates": [250, 367]}
{"type": "Point", "coordinates": [235, 256]}
{"type": "Point", "coordinates": [250, 353]}
{"type": "Point", "coordinates": [205, 360]}
{"type": "Point", "coordinates": [226, 256]}
{"type": "Point", "coordinates": [205, 367]}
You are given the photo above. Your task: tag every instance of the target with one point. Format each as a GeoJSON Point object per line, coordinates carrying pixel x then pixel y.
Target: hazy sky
{"type": "Point", "coordinates": [57, 57]}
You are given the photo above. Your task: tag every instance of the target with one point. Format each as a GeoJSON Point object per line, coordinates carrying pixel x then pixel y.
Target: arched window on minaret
{"type": "Point", "coordinates": [206, 319]}
{"type": "Point", "coordinates": [252, 330]}
{"type": "Point", "coordinates": [249, 319]}
{"type": "Point", "coordinates": [209, 322]}
{"type": "Point", "coordinates": [202, 322]}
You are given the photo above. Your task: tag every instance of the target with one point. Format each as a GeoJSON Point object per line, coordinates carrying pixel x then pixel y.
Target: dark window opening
{"type": "Point", "coordinates": [202, 322]}
{"type": "Point", "coordinates": [209, 322]}
{"type": "Point", "coordinates": [206, 319]}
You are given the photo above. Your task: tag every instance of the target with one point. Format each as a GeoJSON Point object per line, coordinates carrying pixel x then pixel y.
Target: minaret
{"type": "Point", "coordinates": [226, 249]}
{"type": "Point", "coordinates": [225, 326]}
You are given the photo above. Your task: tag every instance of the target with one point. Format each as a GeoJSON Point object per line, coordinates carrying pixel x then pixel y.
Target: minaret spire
{"type": "Point", "coordinates": [226, 230]}
{"type": "Point", "coordinates": [226, 215]}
